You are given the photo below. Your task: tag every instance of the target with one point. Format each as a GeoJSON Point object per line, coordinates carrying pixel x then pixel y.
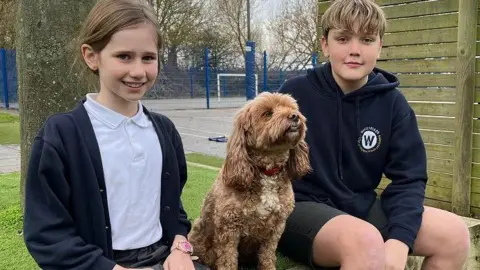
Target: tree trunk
{"type": "Point", "coordinates": [46, 82]}
{"type": "Point", "coordinates": [172, 60]}
{"type": "Point", "coordinates": [7, 23]}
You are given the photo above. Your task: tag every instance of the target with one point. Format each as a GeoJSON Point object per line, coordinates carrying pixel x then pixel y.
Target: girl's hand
{"type": "Point", "coordinates": [178, 260]}
{"type": "Point", "coordinates": [118, 267]}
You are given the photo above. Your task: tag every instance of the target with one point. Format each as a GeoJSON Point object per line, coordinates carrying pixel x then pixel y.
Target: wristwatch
{"type": "Point", "coordinates": [183, 246]}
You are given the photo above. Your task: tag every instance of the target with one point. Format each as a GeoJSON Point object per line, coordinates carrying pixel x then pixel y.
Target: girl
{"type": "Point", "coordinates": [104, 180]}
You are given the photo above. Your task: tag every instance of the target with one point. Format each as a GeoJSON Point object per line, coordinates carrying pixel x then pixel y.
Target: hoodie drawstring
{"type": "Point", "coordinates": [340, 124]}
{"type": "Point", "coordinates": [340, 146]}
{"type": "Point", "coordinates": [357, 113]}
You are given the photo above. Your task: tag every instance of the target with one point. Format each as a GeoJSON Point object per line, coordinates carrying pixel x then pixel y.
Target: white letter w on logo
{"type": "Point", "coordinates": [368, 140]}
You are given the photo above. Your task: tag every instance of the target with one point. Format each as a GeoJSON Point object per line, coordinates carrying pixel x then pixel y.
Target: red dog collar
{"type": "Point", "coordinates": [271, 171]}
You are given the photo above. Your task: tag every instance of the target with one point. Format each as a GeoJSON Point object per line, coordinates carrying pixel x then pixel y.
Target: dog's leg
{"type": "Point", "coordinates": [201, 234]}
{"type": "Point", "coordinates": [267, 257]}
{"type": "Point", "coordinates": [226, 249]}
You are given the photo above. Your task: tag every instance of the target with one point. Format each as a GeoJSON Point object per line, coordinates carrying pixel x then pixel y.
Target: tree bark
{"type": "Point", "coordinates": [47, 84]}
{"type": "Point", "coordinates": [172, 59]}
{"type": "Point", "coordinates": [7, 23]}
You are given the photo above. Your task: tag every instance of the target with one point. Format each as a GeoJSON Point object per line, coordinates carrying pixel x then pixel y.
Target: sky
{"type": "Point", "coordinates": [266, 7]}
{"type": "Point", "coordinates": [265, 11]}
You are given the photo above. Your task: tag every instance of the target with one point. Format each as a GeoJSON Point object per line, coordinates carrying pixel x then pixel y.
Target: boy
{"type": "Point", "coordinates": [360, 126]}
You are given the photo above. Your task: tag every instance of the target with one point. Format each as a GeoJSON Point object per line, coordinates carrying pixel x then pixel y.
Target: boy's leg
{"type": "Point", "coordinates": [443, 239]}
{"type": "Point", "coordinates": [319, 235]}
{"type": "Point", "coordinates": [301, 228]}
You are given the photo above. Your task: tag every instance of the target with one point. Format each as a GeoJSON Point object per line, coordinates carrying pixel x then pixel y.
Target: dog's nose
{"type": "Point", "coordinates": [293, 117]}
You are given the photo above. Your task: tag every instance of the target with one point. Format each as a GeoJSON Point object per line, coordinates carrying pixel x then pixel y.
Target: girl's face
{"type": "Point", "coordinates": [127, 66]}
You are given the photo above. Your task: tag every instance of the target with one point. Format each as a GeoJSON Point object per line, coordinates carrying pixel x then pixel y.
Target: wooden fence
{"type": "Point", "coordinates": [432, 47]}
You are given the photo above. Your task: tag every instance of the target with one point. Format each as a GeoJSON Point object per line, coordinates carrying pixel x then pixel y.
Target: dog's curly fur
{"type": "Point", "coordinates": [245, 211]}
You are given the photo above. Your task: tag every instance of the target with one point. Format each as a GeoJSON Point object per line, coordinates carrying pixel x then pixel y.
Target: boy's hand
{"type": "Point", "coordinates": [396, 255]}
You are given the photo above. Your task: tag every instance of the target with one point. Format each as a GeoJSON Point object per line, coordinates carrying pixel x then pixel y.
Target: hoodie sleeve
{"type": "Point", "coordinates": [49, 230]}
{"type": "Point", "coordinates": [403, 198]}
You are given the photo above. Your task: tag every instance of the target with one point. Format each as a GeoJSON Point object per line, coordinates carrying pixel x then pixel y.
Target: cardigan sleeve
{"type": "Point", "coordinates": [184, 224]}
{"type": "Point", "coordinates": [49, 232]}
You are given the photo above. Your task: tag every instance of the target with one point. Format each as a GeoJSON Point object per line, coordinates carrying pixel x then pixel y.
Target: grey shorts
{"type": "Point", "coordinates": [306, 221]}
{"type": "Point", "coordinates": [152, 256]}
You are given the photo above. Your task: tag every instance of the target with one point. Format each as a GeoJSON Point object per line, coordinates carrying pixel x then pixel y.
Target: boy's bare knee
{"type": "Point", "coordinates": [458, 238]}
{"type": "Point", "coordinates": [363, 246]}
{"type": "Point", "coordinates": [348, 241]}
{"type": "Point", "coordinates": [443, 239]}
{"type": "Point", "coordinates": [363, 237]}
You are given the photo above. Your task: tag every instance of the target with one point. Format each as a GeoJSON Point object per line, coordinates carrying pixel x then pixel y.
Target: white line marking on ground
{"type": "Point", "coordinates": [193, 135]}
{"type": "Point", "coordinates": [203, 166]}
{"type": "Point", "coordinates": [201, 130]}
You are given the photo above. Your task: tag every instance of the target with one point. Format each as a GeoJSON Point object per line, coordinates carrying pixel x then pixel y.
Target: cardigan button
{"type": "Point", "coordinates": [101, 190]}
{"type": "Point", "coordinates": [167, 208]}
{"type": "Point", "coordinates": [167, 174]}
{"type": "Point", "coordinates": [106, 228]}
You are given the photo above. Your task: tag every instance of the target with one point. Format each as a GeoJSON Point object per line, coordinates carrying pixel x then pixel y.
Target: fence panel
{"type": "Point", "coordinates": [8, 79]}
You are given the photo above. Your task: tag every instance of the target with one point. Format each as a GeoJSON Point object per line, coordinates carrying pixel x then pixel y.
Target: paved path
{"type": "Point", "coordinates": [194, 125]}
{"type": "Point", "coordinates": [9, 158]}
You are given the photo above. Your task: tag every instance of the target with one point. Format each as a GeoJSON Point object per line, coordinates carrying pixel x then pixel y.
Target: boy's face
{"type": "Point", "coordinates": [352, 56]}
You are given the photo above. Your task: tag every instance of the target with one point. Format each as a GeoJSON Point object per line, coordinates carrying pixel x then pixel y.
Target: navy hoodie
{"type": "Point", "coordinates": [353, 140]}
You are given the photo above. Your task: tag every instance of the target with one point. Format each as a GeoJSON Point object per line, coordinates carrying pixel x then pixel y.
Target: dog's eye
{"type": "Point", "coordinates": [268, 113]}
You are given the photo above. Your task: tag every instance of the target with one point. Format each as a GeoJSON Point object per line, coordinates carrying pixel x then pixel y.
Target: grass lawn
{"type": "Point", "coordinates": [205, 159]}
{"type": "Point", "coordinates": [9, 128]}
{"type": "Point", "coordinates": [13, 254]}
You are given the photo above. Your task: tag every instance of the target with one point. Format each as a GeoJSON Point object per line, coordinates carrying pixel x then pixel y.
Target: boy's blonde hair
{"type": "Point", "coordinates": [365, 15]}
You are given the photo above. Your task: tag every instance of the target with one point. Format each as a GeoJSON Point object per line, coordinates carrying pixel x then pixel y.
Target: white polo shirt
{"type": "Point", "coordinates": [132, 165]}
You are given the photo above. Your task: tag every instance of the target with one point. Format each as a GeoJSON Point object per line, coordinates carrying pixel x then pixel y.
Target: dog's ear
{"type": "Point", "coordinates": [298, 163]}
{"type": "Point", "coordinates": [238, 171]}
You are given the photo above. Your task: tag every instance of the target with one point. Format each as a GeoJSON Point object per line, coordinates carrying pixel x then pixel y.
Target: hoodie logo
{"type": "Point", "coordinates": [369, 139]}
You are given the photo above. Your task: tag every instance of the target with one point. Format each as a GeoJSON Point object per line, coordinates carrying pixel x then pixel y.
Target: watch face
{"type": "Point", "coordinates": [186, 246]}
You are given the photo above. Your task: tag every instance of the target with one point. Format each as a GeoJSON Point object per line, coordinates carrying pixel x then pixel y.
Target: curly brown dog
{"type": "Point", "coordinates": [245, 211]}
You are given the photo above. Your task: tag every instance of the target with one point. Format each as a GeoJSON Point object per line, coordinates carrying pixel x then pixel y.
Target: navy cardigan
{"type": "Point", "coordinates": [66, 219]}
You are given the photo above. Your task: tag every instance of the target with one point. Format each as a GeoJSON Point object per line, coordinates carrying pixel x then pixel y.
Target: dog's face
{"type": "Point", "coordinates": [266, 126]}
{"type": "Point", "coordinates": [272, 122]}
